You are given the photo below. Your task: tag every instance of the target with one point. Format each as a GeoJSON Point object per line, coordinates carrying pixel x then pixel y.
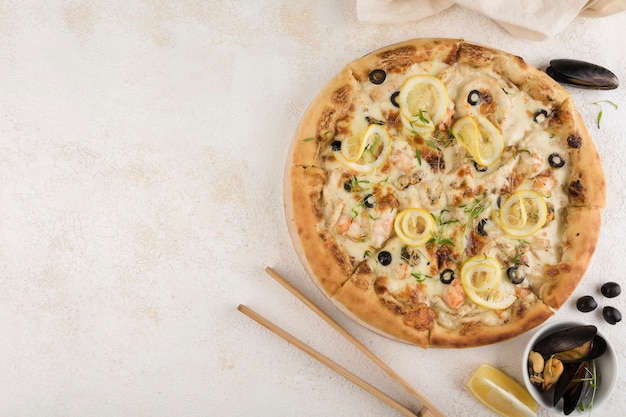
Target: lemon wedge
{"type": "Point", "coordinates": [501, 393]}
{"type": "Point", "coordinates": [481, 138]}
{"type": "Point", "coordinates": [481, 277]}
{"type": "Point", "coordinates": [367, 152]}
{"type": "Point", "coordinates": [414, 226]}
{"type": "Point", "coordinates": [423, 102]}
{"type": "Point", "coordinates": [523, 213]}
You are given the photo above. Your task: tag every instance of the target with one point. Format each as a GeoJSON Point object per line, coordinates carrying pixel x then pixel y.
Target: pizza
{"type": "Point", "coordinates": [444, 193]}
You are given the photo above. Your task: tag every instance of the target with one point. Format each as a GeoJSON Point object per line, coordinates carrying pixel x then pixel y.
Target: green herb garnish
{"type": "Point", "coordinates": [422, 118]}
{"type": "Point", "coordinates": [599, 104]}
{"type": "Point", "coordinates": [439, 237]}
{"type": "Point", "coordinates": [419, 277]}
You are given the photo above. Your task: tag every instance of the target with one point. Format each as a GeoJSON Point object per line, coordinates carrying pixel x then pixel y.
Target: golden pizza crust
{"type": "Point", "coordinates": [399, 57]}
{"type": "Point", "coordinates": [387, 317]}
{"type": "Point", "coordinates": [327, 261]}
{"type": "Point", "coordinates": [527, 78]}
{"type": "Point", "coordinates": [318, 125]}
{"type": "Point", "coordinates": [581, 237]}
{"type": "Point", "coordinates": [524, 316]}
{"type": "Point", "coordinates": [587, 187]}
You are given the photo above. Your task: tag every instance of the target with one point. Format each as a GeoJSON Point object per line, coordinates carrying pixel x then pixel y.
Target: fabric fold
{"type": "Point", "coordinates": [531, 19]}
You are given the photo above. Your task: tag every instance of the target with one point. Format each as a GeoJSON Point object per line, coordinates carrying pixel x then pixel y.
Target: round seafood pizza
{"type": "Point", "coordinates": [444, 193]}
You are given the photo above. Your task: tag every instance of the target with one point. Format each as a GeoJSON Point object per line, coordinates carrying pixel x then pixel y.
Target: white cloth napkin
{"type": "Point", "coordinates": [532, 19]}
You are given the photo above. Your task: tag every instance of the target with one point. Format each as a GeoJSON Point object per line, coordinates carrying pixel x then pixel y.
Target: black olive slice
{"type": "Point", "coordinates": [347, 186]}
{"type": "Point", "coordinates": [384, 258]}
{"type": "Point", "coordinates": [369, 201]}
{"type": "Point", "coordinates": [394, 99]}
{"type": "Point", "coordinates": [586, 303]}
{"type": "Point", "coordinates": [480, 168]}
{"type": "Point", "coordinates": [474, 97]}
{"type": "Point", "coordinates": [378, 76]}
{"type": "Point", "coordinates": [540, 116]}
{"type": "Point", "coordinates": [481, 227]}
{"type": "Point", "coordinates": [446, 276]}
{"type": "Point", "coordinates": [335, 145]}
{"type": "Point", "coordinates": [555, 160]}
{"type": "Point", "coordinates": [516, 275]}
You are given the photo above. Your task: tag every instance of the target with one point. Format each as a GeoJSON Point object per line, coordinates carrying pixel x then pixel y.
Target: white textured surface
{"type": "Point", "coordinates": [142, 146]}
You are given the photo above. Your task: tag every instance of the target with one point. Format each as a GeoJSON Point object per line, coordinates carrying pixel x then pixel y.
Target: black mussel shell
{"type": "Point", "coordinates": [565, 340]}
{"type": "Point", "coordinates": [577, 389]}
{"type": "Point", "coordinates": [569, 370]}
{"type": "Point", "coordinates": [582, 74]}
{"type": "Point", "coordinates": [597, 349]}
{"type": "Point", "coordinates": [586, 352]}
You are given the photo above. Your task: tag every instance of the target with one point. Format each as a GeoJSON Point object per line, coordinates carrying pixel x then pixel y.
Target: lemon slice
{"type": "Point", "coordinates": [352, 147]}
{"type": "Point", "coordinates": [423, 102]}
{"type": "Point", "coordinates": [481, 273]}
{"type": "Point", "coordinates": [501, 393]}
{"type": "Point", "coordinates": [482, 281]}
{"type": "Point", "coordinates": [465, 130]}
{"type": "Point", "coordinates": [523, 213]}
{"type": "Point", "coordinates": [489, 144]}
{"type": "Point", "coordinates": [414, 226]}
{"type": "Point", "coordinates": [481, 138]}
{"type": "Point", "coordinates": [368, 152]}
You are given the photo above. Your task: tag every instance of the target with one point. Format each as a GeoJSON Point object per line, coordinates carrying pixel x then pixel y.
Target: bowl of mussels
{"type": "Point", "coordinates": [569, 367]}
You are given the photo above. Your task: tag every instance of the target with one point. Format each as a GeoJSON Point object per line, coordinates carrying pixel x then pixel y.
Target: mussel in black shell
{"type": "Point", "coordinates": [582, 74]}
{"type": "Point", "coordinates": [573, 345]}
{"type": "Point", "coordinates": [577, 387]}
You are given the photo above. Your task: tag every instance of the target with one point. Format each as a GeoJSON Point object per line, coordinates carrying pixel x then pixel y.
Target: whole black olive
{"type": "Point", "coordinates": [384, 258]}
{"type": "Point", "coordinates": [556, 160]}
{"type": "Point", "coordinates": [481, 227]}
{"type": "Point", "coordinates": [378, 76]}
{"type": "Point", "coordinates": [611, 289]}
{"type": "Point", "coordinates": [586, 303]}
{"type": "Point", "coordinates": [446, 276]}
{"type": "Point", "coordinates": [515, 274]}
{"type": "Point", "coordinates": [611, 315]}
{"type": "Point", "coordinates": [540, 116]}
{"type": "Point", "coordinates": [394, 99]}
{"type": "Point", "coordinates": [335, 145]}
{"type": "Point", "coordinates": [474, 97]}
{"type": "Point", "coordinates": [369, 201]}
{"type": "Point", "coordinates": [480, 168]}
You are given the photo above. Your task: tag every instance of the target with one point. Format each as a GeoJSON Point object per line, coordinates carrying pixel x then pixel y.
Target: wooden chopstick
{"type": "Point", "coordinates": [325, 360]}
{"type": "Point", "coordinates": [428, 410]}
